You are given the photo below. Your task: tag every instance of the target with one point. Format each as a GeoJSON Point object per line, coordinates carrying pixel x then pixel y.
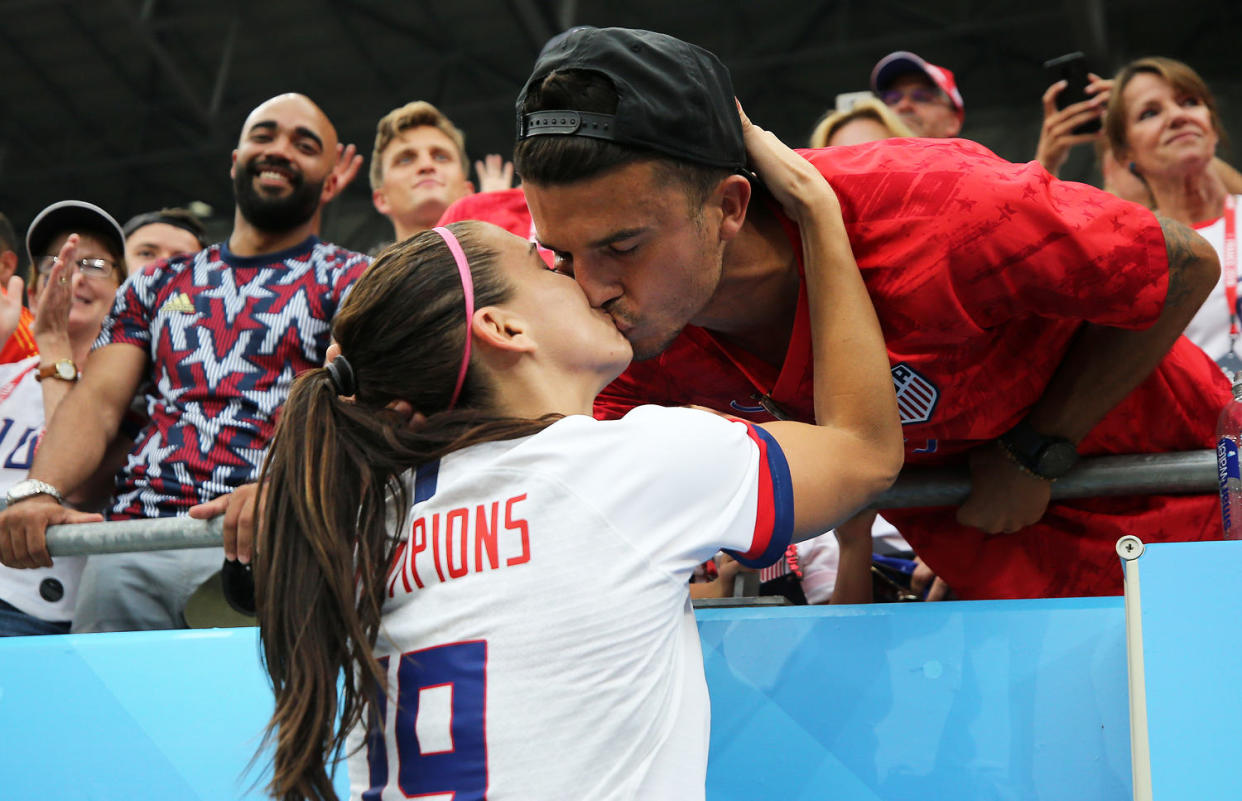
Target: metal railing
{"type": "Point", "coordinates": [1189, 472]}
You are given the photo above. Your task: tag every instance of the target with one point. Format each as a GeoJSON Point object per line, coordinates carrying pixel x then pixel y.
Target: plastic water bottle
{"type": "Point", "coordinates": [1228, 439]}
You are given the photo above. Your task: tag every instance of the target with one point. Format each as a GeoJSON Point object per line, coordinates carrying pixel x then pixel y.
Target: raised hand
{"type": "Point", "coordinates": [348, 162]}
{"type": "Point", "coordinates": [51, 325]}
{"type": "Point", "coordinates": [495, 174]}
{"type": "Point", "coordinates": [793, 181]}
{"type": "Point", "coordinates": [1056, 137]}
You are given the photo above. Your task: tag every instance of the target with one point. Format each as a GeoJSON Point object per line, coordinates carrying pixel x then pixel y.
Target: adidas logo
{"type": "Point", "coordinates": [178, 303]}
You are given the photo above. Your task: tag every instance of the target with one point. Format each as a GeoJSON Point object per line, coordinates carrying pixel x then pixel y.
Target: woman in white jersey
{"type": "Point", "coordinates": [77, 259]}
{"type": "Point", "coordinates": [505, 581]}
{"type": "Point", "coordinates": [1162, 121]}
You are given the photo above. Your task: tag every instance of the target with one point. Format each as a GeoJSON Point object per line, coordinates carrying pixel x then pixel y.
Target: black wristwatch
{"type": "Point", "coordinates": [1043, 456]}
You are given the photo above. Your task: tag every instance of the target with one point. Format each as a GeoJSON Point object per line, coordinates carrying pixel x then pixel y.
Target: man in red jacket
{"type": "Point", "coordinates": [1027, 320]}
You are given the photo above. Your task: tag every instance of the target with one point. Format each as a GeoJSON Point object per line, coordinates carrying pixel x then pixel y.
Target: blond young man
{"type": "Point", "coordinates": [419, 168]}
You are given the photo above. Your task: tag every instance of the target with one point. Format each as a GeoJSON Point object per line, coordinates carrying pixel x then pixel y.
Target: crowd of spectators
{"type": "Point", "coordinates": [157, 361]}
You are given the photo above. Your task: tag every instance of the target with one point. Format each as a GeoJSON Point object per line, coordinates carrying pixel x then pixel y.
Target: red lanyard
{"type": "Point", "coordinates": [1229, 266]}
{"type": "Point", "coordinates": [10, 387]}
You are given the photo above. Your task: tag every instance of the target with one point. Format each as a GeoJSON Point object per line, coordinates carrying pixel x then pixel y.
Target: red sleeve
{"type": "Point", "coordinates": [506, 208]}
{"type": "Point", "coordinates": [20, 344]}
{"type": "Point", "coordinates": [1058, 249]}
{"type": "Point", "coordinates": [1015, 241]}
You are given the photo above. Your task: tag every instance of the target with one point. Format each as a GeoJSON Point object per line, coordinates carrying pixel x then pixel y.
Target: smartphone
{"type": "Point", "coordinates": [1072, 68]}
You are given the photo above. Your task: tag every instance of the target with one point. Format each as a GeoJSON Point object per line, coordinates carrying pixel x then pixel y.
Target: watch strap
{"type": "Point", "coordinates": [1026, 447]}
{"type": "Point", "coordinates": [55, 370]}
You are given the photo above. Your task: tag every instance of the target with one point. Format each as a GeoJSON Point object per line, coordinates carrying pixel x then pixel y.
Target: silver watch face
{"type": "Point", "coordinates": [66, 371]}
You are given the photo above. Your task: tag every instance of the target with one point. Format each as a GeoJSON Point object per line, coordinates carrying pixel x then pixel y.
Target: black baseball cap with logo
{"type": "Point", "coordinates": [674, 98]}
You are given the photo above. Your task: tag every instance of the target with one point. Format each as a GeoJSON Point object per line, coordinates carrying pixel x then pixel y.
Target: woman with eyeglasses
{"type": "Point", "coordinates": [77, 254]}
{"type": "Point", "coordinates": [1162, 121]}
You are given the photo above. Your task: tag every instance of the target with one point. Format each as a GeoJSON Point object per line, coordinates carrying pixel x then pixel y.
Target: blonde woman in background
{"type": "Point", "coordinates": [868, 120]}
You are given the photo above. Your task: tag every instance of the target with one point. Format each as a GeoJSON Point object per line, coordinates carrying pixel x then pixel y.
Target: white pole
{"type": "Point", "coordinates": [1130, 548]}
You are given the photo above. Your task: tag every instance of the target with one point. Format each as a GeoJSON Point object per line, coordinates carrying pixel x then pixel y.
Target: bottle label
{"type": "Point", "coordinates": [1227, 473]}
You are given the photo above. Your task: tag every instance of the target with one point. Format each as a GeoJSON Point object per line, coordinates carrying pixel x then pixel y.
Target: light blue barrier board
{"type": "Point", "coordinates": [1192, 653]}
{"type": "Point", "coordinates": [995, 700]}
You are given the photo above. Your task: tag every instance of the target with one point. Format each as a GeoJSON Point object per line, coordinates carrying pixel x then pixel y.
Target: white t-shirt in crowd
{"type": "Point", "coordinates": [538, 636]}
{"type": "Point", "coordinates": [1209, 329]}
{"type": "Point", "coordinates": [48, 593]}
{"type": "Point", "coordinates": [820, 558]}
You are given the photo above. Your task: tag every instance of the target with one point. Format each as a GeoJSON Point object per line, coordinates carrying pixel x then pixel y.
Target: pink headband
{"type": "Point", "coordinates": [467, 288]}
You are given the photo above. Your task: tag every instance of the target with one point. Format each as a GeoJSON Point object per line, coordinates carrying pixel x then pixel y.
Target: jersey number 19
{"type": "Point", "coordinates": [438, 728]}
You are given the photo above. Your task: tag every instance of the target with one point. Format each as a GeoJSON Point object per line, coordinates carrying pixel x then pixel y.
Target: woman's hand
{"type": "Point", "coordinates": [1056, 137]}
{"type": "Point", "coordinates": [792, 180]}
{"type": "Point", "coordinates": [51, 324]}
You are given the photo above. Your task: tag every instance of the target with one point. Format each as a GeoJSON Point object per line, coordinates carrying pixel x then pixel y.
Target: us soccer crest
{"type": "Point", "coordinates": [916, 396]}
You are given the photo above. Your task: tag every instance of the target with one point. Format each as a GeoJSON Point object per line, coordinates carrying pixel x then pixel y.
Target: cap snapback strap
{"type": "Point", "coordinates": [566, 123]}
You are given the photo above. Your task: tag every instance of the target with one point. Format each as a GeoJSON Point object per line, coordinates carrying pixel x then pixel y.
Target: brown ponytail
{"type": "Point", "coordinates": [332, 483]}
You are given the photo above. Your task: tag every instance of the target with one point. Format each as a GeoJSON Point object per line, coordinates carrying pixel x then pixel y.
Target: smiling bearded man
{"type": "Point", "coordinates": [215, 339]}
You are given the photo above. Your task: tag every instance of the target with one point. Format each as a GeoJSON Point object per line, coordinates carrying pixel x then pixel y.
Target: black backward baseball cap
{"type": "Point", "coordinates": [673, 97]}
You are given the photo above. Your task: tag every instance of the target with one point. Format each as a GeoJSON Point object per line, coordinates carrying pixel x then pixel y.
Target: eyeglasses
{"type": "Point", "coordinates": [921, 95]}
{"type": "Point", "coordinates": [93, 268]}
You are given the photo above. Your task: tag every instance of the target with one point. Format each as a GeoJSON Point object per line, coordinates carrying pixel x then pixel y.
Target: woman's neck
{"type": "Point", "coordinates": [1189, 199]}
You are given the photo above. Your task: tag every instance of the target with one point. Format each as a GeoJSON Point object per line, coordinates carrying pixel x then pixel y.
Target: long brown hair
{"type": "Point", "coordinates": [333, 478]}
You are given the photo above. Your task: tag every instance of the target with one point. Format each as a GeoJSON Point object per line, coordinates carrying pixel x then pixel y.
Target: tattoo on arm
{"type": "Point", "coordinates": [1179, 241]}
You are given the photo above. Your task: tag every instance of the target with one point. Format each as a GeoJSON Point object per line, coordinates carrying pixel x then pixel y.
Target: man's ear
{"type": "Point", "coordinates": [501, 329]}
{"type": "Point", "coordinates": [329, 188]}
{"type": "Point", "coordinates": [733, 194]}
{"type": "Point", "coordinates": [380, 202]}
{"type": "Point", "coordinates": [233, 166]}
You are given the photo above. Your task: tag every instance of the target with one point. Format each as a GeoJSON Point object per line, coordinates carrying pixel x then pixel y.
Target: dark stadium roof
{"type": "Point", "coordinates": [136, 104]}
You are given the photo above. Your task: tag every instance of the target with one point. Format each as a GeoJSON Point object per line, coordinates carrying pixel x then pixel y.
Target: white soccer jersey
{"type": "Point", "coordinates": [538, 635]}
{"type": "Point", "coordinates": [47, 593]}
{"type": "Point", "coordinates": [1209, 329]}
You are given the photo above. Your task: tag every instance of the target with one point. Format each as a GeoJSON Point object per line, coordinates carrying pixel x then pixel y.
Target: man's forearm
{"type": "Point", "coordinates": [73, 447]}
{"type": "Point", "coordinates": [1102, 365]}
{"type": "Point", "coordinates": [88, 418]}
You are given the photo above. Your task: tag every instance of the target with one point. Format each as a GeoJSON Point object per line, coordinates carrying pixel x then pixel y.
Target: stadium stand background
{"type": "Point", "coordinates": [134, 104]}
